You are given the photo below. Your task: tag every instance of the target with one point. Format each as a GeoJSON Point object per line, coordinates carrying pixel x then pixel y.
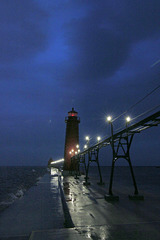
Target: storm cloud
{"type": "Point", "coordinates": [22, 34]}
{"type": "Point", "coordinates": [97, 56]}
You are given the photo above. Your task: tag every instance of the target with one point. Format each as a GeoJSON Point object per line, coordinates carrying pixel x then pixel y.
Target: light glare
{"type": "Point", "coordinates": [87, 138]}
{"type": "Point", "coordinates": [128, 119]}
{"type": "Point", "coordinates": [58, 161]}
{"type": "Point", "coordinates": [109, 118]}
{"type": "Point", "coordinates": [98, 138]}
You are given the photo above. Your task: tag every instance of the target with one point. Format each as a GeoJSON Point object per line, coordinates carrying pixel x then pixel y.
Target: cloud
{"type": "Point", "coordinates": [139, 19]}
{"type": "Point", "coordinates": [99, 43]}
{"type": "Point", "coordinates": [21, 32]}
{"type": "Point", "coordinates": [98, 51]}
{"type": "Point", "coordinates": [93, 55]}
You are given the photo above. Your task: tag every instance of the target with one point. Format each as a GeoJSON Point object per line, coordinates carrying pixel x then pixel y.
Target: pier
{"type": "Point", "coordinates": [120, 143]}
{"type": "Point", "coordinates": [80, 120]}
{"type": "Point", "coordinates": [39, 209]}
{"type": "Point", "coordinates": [73, 206]}
{"type": "Point", "coordinates": [63, 208]}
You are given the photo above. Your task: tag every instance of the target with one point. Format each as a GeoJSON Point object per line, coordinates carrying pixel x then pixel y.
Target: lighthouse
{"type": "Point", "coordinates": [72, 138]}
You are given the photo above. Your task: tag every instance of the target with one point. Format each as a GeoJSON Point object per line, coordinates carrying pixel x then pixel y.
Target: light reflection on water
{"type": "Point", "coordinates": [54, 171]}
{"type": "Point", "coordinates": [54, 180]}
{"type": "Point", "coordinates": [75, 197]}
{"type": "Point", "coordinates": [95, 233]}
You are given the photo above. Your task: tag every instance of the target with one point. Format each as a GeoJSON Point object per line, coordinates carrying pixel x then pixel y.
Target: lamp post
{"type": "Point", "coordinates": [87, 139]}
{"type": "Point", "coordinates": [85, 146]}
{"type": "Point", "coordinates": [123, 147]}
{"type": "Point", "coordinates": [128, 119]}
{"type": "Point", "coordinates": [98, 139]}
{"type": "Point", "coordinates": [109, 119]}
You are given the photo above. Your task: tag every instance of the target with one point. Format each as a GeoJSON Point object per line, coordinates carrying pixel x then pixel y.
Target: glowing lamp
{"type": "Point", "coordinates": [109, 118]}
{"type": "Point", "coordinates": [128, 119]}
{"type": "Point", "coordinates": [87, 138]}
{"type": "Point", "coordinates": [85, 146]}
{"type": "Point", "coordinates": [98, 138]}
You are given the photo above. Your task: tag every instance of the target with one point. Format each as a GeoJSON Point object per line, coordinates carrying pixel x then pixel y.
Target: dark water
{"type": "Point", "coordinates": [147, 178]}
{"type": "Point", "coordinates": [15, 181]}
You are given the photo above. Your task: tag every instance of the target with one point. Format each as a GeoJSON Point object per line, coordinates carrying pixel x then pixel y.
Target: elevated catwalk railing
{"type": "Point", "coordinates": [120, 143]}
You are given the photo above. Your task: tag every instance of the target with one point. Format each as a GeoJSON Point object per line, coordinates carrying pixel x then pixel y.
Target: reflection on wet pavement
{"type": "Point", "coordinates": [96, 218]}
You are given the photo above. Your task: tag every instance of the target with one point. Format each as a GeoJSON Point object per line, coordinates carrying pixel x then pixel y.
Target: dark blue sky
{"type": "Point", "coordinates": [96, 56]}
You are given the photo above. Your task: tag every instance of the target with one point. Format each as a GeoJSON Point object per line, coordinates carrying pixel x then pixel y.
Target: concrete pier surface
{"type": "Point", "coordinates": [39, 209]}
{"type": "Point", "coordinates": [61, 208]}
{"type": "Point", "coordinates": [96, 218]}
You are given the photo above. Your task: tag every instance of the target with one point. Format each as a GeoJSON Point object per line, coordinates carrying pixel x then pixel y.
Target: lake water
{"type": "Point", "coordinates": [15, 181]}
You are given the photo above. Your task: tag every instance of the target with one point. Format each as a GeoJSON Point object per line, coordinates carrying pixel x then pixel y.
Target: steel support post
{"type": "Point", "coordinates": [124, 147]}
{"type": "Point", "coordinates": [77, 168]}
{"type": "Point", "coordinates": [113, 161]}
{"type": "Point", "coordinates": [130, 164]}
{"type": "Point", "coordinates": [87, 170]}
{"type": "Point", "coordinates": [99, 170]}
{"type": "Point", "coordinates": [133, 178]}
{"type": "Point", "coordinates": [136, 195]}
{"type": "Point", "coordinates": [94, 153]}
{"type": "Point", "coordinates": [112, 197]}
{"type": "Point", "coordinates": [84, 163]}
{"type": "Point", "coordinates": [111, 177]}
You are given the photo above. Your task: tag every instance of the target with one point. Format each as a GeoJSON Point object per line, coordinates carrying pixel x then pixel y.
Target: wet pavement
{"type": "Point", "coordinates": [39, 209]}
{"type": "Point", "coordinates": [62, 208]}
{"type": "Point", "coordinates": [95, 218]}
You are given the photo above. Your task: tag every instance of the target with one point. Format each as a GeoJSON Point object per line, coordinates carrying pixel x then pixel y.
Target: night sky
{"type": "Point", "coordinates": [97, 56]}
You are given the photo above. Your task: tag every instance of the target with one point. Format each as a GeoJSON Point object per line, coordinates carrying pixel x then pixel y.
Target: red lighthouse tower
{"type": "Point", "coordinates": [72, 138]}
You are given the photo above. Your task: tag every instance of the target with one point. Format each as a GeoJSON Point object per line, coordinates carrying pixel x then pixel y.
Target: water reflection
{"type": "Point", "coordinates": [54, 180]}
{"type": "Point", "coordinates": [95, 233]}
{"type": "Point", "coordinates": [54, 171]}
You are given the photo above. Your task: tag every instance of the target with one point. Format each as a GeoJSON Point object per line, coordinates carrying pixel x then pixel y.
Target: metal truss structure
{"type": "Point", "coordinates": [120, 143]}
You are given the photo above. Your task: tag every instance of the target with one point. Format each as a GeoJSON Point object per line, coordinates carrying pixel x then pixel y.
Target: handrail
{"type": "Point", "coordinates": [150, 121]}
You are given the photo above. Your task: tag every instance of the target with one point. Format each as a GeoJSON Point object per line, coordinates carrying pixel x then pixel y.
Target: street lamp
{"type": "Point", "coordinates": [98, 138]}
{"type": "Point", "coordinates": [85, 146]}
{"type": "Point", "coordinates": [109, 118]}
{"type": "Point", "coordinates": [128, 119]}
{"type": "Point", "coordinates": [87, 138]}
